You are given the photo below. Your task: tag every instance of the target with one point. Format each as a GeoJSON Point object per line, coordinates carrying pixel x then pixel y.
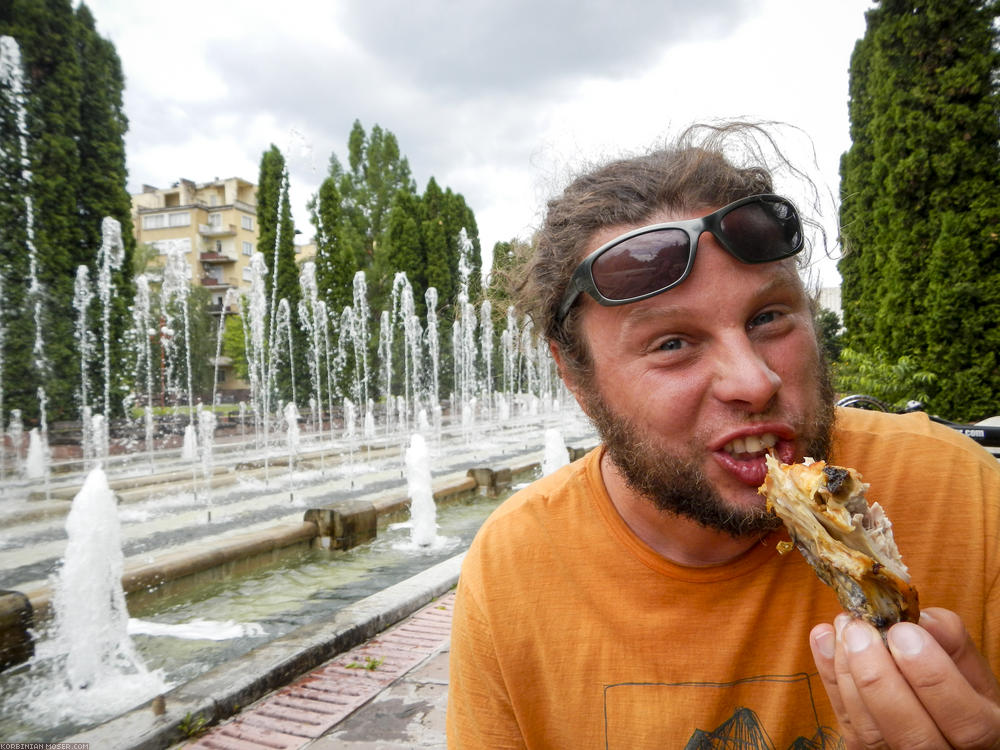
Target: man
{"type": "Point", "coordinates": [636, 598]}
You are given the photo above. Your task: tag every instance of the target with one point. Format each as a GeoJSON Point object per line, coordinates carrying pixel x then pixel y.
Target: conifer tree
{"type": "Point", "coordinates": [377, 172]}
{"type": "Point", "coordinates": [72, 169]}
{"type": "Point", "coordinates": [337, 258]}
{"type": "Point", "coordinates": [46, 34]}
{"type": "Point", "coordinates": [403, 247]}
{"type": "Point", "coordinates": [103, 176]}
{"type": "Point", "coordinates": [370, 217]}
{"type": "Point", "coordinates": [442, 258]}
{"type": "Point", "coordinates": [277, 244]}
{"type": "Point", "coordinates": [18, 325]}
{"type": "Point", "coordinates": [921, 189]}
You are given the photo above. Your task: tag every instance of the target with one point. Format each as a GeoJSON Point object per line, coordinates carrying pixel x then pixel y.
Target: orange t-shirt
{"type": "Point", "coordinates": [569, 632]}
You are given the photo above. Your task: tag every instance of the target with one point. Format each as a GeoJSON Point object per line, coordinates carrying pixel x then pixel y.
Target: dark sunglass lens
{"type": "Point", "coordinates": [763, 231]}
{"type": "Point", "coordinates": [642, 264]}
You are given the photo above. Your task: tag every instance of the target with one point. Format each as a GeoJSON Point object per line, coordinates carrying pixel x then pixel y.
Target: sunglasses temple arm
{"type": "Point", "coordinates": [569, 297]}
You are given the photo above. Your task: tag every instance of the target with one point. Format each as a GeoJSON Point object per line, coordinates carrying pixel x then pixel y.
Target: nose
{"type": "Point", "coordinates": [743, 377]}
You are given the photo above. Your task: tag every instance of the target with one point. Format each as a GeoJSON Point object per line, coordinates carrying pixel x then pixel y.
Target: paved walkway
{"type": "Point", "coordinates": [389, 693]}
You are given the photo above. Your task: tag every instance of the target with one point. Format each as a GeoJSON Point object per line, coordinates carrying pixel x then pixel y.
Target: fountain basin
{"type": "Point", "coordinates": [339, 525]}
{"type": "Point", "coordinates": [221, 692]}
{"type": "Point", "coordinates": [180, 571]}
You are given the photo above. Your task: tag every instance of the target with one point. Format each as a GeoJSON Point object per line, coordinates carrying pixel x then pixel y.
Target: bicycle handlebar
{"type": "Point", "coordinates": [985, 435]}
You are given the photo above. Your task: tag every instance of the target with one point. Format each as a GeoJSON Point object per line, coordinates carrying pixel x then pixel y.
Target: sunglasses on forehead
{"type": "Point", "coordinates": [650, 260]}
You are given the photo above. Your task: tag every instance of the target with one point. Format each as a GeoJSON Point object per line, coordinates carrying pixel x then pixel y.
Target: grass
{"type": "Point", "coordinates": [371, 664]}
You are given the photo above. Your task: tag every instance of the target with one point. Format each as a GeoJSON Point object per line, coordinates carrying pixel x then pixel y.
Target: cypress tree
{"type": "Point", "coordinates": [46, 33]}
{"type": "Point", "coordinates": [73, 130]}
{"type": "Point", "coordinates": [403, 249]}
{"type": "Point", "coordinates": [277, 243]}
{"type": "Point", "coordinates": [336, 261]}
{"type": "Point", "coordinates": [103, 176]}
{"type": "Point", "coordinates": [442, 260]}
{"type": "Point", "coordinates": [18, 372]}
{"type": "Point", "coordinates": [272, 165]}
{"type": "Point", "coordinates": [921, 199]}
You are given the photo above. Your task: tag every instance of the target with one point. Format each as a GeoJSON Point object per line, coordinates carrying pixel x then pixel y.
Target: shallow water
{"type": "Point", "coordinates": [301, 587]}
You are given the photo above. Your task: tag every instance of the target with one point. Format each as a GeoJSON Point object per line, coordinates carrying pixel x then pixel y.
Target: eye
{"type": "Point", "coordinates": [763, 319]}
{"type": "Point", "coordinates": [671, 345]}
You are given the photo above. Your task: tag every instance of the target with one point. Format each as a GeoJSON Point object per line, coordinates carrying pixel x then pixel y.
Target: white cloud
{"type": "Point", "coordinates": [498, 101]}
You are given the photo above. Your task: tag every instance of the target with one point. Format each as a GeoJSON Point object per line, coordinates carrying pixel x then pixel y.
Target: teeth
{"type": "Point", "coordinates": [751, 444]}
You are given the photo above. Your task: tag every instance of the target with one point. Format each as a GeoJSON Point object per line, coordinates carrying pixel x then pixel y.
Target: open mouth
{"type": "Point", "coordinates": [751, 445]}
{"type": "Point", "coordinates": [743, 456]}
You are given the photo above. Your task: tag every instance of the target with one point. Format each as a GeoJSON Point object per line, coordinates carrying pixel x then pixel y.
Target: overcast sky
{"type": "Point", "coordinates": [500, 100]}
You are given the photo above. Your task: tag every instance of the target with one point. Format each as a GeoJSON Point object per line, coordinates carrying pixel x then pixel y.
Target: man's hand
{"type": "Point", "coordinates": [930, 688]}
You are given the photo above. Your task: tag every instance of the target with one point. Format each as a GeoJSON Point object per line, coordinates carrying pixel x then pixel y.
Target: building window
{"type": "Point", "coordinates": [248, 248]}
{"type": "Point", "coordinates": [248, 274]}
{"type": "Point", "coordinates": [247, 222]}
{"type": "Point", "coordinates": [182, 219]}
{"type": "Point", "coordinates": [215, 220]}
{"type": "Point", "coordinates": [154, 221]}
{"type": "Point", "coordinates": [218, 246]}
{"type": "Point", "coordinates": [179, 245]}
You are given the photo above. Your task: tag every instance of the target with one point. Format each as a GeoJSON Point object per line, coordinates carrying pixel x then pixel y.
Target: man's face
{"type": "Point", "coordinates": [690, 388]}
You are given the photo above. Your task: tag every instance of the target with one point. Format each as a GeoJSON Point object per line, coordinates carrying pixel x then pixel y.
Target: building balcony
{"type": "Point", "coordinates": [210, 282]}
{"type": "Point", "coordinates": [212, 257]}
{"type": "Point", "coordinates": [217, 308]}
{"type": "Point", "coordinates": [217, 230]}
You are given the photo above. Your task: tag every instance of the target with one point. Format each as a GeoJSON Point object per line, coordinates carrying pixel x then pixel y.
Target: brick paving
{"type": "Point", "coordinates": [315, 704]}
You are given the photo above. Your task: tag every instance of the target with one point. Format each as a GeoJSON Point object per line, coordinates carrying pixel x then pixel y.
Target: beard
{"type": "Point", "coordinates": [675, 483]}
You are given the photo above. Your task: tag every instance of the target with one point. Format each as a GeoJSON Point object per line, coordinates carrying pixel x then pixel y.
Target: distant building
{"type": "Point", "coordinates": [829, 298]}
{"type": "Point", "coordinates": [214, 225]}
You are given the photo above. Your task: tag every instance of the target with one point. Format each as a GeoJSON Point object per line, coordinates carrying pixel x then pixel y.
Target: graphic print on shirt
{"type": "Point", "coordinates": [770, 712]}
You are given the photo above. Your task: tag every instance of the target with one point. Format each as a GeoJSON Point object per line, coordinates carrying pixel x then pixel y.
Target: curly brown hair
{"type": "Point", "coordinates": [691, 174]}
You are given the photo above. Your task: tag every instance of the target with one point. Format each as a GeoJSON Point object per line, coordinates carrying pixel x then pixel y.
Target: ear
{"type": "Point", "coordinates": [570, 383]}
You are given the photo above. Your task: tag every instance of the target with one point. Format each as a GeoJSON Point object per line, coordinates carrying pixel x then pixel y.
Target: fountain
{"type": "Point", "coordinates": [36, 465]}
{"type": "Point", "coordinates": [423, 513]}
{"type": "Point", "coordinates": [556, 455]}
{"type": "Point", "coordinates": [384, 417]}
{"type": "Point", "coordinates": [12, 78]}
{"type": "Point", "coordinates": [160, 520]}
{"type": "Point", "coordinates": [110, 256]}
{"type": "Point", "coordinates": [15, 430]}
{"type": "Point", "coordinates": [88, 664]}
{"type": "Point", "coordinates": [82, 297]}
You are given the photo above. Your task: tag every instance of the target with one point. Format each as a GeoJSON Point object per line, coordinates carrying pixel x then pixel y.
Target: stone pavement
{"type": "Point", "coordinates": [409, 714]}
{"type": "Point", "coordinates": [388, 693]}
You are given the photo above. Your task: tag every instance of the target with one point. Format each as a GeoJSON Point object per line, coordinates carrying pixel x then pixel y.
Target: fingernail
{"type": "Point", "coordinates": [825, 644]}
{"type": "Point", "coordinates": [857, 637]}
{"type": "Point", "coordinates": [906, 639]}
{"type": "Point", "coordinates": [839, 623]}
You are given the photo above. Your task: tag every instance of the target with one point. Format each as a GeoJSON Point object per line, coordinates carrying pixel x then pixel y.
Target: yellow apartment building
{"type": "Point", "coordinates": [214, 226]}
